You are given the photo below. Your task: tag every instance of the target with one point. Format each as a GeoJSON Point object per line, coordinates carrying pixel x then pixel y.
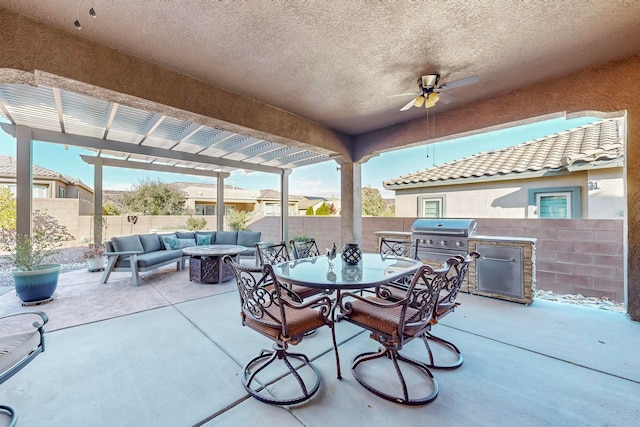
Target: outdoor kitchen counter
{"type": "Point", "coordinates": [493, 277]}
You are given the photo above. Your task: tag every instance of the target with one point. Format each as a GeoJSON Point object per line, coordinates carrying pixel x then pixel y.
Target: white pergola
{"type": "Point", "coordinates": [126, 137]}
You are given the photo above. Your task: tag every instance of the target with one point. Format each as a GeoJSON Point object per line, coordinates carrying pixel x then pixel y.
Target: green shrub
{"type": "Point", "coordinates": [195, 224]}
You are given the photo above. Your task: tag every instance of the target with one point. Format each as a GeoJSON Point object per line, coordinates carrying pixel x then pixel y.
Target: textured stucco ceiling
{"type": "Point", "coordinates": [339, 62]}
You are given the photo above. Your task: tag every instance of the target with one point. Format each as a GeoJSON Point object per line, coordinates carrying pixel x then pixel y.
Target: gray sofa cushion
{"type": "Point", "coordinates": [151, 242]}
{"type": "Point", "coordinates": [185, 235]}
{"type": "Point", "coordinates": [248, 238]}
{"type": "Point", "coordinates": [150, 259]}
{"type": "Point", "coordinates": [226, 238]}
{"type": "Point", "coordinates": [127, 243]}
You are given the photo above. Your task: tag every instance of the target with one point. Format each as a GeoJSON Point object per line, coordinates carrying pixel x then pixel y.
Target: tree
{"type": "Point", "coordinates": [309, 211]}
{"type": "Point", "coordinates": [150, 197]}
{"type": "Point", "coordinates": [323, 209]}
{"type": "Point", "coordinates": [372, 202]}
{"type": "Point", "coordinates": [332, 209]}
{"type": "Point", "coordinates": [7, 209]}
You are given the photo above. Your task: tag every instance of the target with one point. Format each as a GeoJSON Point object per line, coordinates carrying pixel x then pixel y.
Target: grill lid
{"type": "Point", "coordinates": [444, 227]}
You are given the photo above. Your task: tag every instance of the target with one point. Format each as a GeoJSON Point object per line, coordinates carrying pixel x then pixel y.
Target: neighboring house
{"type": "Point", "coordinates": [49, 188]}
{"type": "Point", "coordinates": [577, 173]}
{"type": "Point", "coordinates": [202, 199]}
{"type": "Point", "coordinates": [315, 202]}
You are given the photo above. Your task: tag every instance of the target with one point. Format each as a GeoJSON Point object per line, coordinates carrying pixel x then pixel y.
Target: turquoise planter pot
{"type": "Point", "coordinates": [37, 285]}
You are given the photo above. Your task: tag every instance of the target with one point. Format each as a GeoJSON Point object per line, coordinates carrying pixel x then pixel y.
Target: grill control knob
{"type": "Point", "coordinates": [459, 244]}
{"type": "Point", "coordinates": [443, 243]}
{"type": "Point", "coordinates": [429, 242]}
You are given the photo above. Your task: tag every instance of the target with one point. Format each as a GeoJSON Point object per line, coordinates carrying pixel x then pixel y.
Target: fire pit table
{"type": "Point", "coordinates": [205, 262]}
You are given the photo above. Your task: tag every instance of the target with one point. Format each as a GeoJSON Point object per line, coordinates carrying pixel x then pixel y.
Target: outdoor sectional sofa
{"type": "Point", "coordinates": [145, 252]}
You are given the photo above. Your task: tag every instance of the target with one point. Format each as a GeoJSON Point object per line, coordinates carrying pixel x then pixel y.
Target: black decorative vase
{"type": "Point", "coordinates": [351, 253]}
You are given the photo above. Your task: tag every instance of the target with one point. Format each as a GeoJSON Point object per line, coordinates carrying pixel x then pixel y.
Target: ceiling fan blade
{"type": "Point", "coordinates": [409, 105]}
{"type": "Point", "coordinates": [397, 95]}
{"type": "Point", "coordinates": [445, 98]}
{"type": "Point", "coordinates": [460, 82]}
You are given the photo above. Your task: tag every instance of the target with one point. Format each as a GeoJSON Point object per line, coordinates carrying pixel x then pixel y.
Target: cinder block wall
{"type": "Point", "coordinates": [579, 256]}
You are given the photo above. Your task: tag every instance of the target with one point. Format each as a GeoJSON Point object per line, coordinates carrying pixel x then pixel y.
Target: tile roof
{"type": "Point", "coordinates": [594, 142]}
{"type": "Point", "coordinates": [8, 168]}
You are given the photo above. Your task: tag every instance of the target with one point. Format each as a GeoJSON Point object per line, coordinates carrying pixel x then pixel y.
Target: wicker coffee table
{"type": "Point", "coordinates": [205, 262]}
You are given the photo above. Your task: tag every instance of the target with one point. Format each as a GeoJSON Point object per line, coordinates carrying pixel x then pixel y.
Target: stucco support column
{"type": "Point", "coordinates": [284, 204]}
{"type": "Point", "coordinates": [97, 201]}
{"type": "Point", "coordinates": [351, 200]}
{"type": "Point", "coordinates": [220, 202]}
{"type": "Point", "coordinates": [632, 215]}
{"type": "Point", "coordinates": [24, 180]}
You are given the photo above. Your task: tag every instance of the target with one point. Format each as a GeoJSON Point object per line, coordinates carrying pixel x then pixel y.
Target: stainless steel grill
{"type": "Point", "coordinates": [439, 239]}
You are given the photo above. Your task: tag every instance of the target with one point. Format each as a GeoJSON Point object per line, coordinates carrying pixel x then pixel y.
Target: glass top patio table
{"type": "Point", "coordinates": [372, 270]}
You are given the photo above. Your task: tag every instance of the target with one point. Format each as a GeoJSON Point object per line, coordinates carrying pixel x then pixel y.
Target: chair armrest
{"type": "Point", "coordinates": [36, 324]}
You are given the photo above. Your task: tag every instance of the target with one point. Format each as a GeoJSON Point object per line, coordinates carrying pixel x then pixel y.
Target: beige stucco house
{"type": "Point", "coordinates": [51, 190]}
{"type": "Point", "coordinates": [577, 173]}
{"type": "Point", "coordinates": [201, 198]}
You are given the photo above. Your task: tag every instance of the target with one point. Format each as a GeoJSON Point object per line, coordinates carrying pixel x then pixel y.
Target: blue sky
{"type": "Point", "coordinates": [315, 180]}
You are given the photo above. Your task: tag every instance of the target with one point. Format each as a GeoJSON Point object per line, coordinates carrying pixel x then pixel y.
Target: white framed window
{"type": "Point", "coordinates": [431, 207]}
{"type": "Point", "coordinates": [62, 192]}
{"type": "Point", "coordinates": [272, 209]}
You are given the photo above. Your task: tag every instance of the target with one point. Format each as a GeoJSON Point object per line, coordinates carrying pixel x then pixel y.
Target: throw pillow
{"type": "Point", "coordinates": [203, 239]}
{"type": "Point", "coordinates": [170, 242]}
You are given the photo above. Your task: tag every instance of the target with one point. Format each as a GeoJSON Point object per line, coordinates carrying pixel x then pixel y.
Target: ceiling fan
{"type": "Point", "coordinates": [430, 93]}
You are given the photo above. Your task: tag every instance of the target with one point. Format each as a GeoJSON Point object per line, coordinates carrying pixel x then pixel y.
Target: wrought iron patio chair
{"type": "Point", "coordinates": [21, 340]}
{"type": "Point", "coordinates": [446, 304]}
{"type": "Point", "coordinates": [393, 324]}
{"type": "Point", "coordinates": [266, 310]}
{"type": "Point", "coordinates": [275, 254]}
{"type": "Point", "coordinates": [305, 249]}
{"type": "Point", "coordinates": [399, 247]}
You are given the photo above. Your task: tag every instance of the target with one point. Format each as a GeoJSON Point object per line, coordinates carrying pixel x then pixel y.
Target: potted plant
{"type": "Point", "coordinates": [94, 257]}
{"type": "Point", "coordinates": [34, 275]}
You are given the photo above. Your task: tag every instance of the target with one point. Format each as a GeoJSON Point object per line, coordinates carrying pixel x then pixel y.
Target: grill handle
{"type": "Point", "coordinates": [442, 233]}
{"type": "Point", "coordinates": [499, 259]}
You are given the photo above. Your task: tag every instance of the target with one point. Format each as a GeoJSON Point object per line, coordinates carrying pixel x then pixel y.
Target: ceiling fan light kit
{"type": "Point", "coordinates": [429, 89]}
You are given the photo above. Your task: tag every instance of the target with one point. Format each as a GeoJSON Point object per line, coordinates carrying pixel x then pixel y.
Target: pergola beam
{"type": "Point", "coordinates": [129, 164]}
{"type": "Point", "coordinates": [101, 144]}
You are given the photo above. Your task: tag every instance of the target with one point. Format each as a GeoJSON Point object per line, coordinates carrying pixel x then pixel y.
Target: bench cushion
{"type": "Point", "coordinates": [151, 259]}
{"type": "Point", "coordinates": [150, 242]}
{"type": "Point", "coordinates": [226, 238]}
{"type": "Point", "coordinates": [127, 243]}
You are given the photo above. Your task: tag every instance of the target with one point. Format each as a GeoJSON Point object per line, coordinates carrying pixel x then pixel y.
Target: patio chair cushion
{"type": "Point", "coordinates": [14, 348]}
{"type": "Point", "coordinates": [226, 238]}
{"type": "Point", "coordinates": [298, 321]}
{"type": "Point", "coordinates": [127, 243]}
{"type": "Point", "coordinates": [385, 320]}
{"type": "Point", "coordinates": [150, 242]}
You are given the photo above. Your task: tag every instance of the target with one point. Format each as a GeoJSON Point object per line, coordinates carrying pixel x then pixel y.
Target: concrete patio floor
{"type": "Point", "coordinates": [170, 353]}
